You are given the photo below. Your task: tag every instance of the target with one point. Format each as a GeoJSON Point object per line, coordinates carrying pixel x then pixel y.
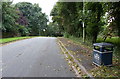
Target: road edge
{"type": "Point", "coordinates": [64, 49]}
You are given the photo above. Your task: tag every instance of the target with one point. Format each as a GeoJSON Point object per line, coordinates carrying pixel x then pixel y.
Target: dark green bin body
{"type": "Point", "coordinates": [102, 54]}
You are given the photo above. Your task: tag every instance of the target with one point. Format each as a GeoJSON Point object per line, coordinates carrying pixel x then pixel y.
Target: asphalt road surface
{"type": "Point", "coordinates": [35, 57]}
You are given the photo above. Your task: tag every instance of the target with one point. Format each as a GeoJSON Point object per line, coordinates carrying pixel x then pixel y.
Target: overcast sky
{"type": "Point", "coordinates": [46, 5]}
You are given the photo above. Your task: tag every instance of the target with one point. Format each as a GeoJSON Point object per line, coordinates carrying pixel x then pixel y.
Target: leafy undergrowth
{"type": "Point", "coordinates": [104, 71]}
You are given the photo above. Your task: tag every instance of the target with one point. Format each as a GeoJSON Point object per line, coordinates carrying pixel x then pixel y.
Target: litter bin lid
{"type": "Point", "coordinates": [102, 44]}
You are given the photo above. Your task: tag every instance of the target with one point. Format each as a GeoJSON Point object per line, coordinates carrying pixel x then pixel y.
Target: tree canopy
{"type": "Point", "coordinates": [70, 16]}
{"type": "Point", "coordinates": [37, 21]}
{"type": "Point", "coordinates": [23, 19]}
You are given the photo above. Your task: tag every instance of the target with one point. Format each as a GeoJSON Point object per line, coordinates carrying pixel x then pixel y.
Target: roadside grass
{"type": "Point", "coordinates": [6, 40]}
{"type": "Point", "coordinates": [79, 41]}
{"type": "Point", "coordinates": [116, 42]}
{"type": "Point", "coordinates": [113, 40]}
{"type": "Point", "coordinates": [104, 71]}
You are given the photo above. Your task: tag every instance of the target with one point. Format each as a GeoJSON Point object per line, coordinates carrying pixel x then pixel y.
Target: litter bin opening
{"type": "Point", "coordinates": [108, 48]}
{"type": "Point", "coordinates": [103, 47]}
{"type": "Point", "coordinates": [97, 48]}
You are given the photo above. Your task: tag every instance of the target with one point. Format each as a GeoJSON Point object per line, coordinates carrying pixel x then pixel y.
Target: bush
{"type": "Point", "coordinates": [23, 30]}
{"type": "Point", "coordinates": [66, 35]}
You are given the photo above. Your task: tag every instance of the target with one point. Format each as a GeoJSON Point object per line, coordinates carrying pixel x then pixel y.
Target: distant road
{"type": "Point", "coordinates": [35, 57]}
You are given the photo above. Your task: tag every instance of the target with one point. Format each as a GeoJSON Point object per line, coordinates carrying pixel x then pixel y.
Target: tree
{"type": "Point", "coordinates": [94, 25]}
{"type": "Point", "coordinates": [37, 20]}
{"type": "Point", "coordinates": [22, 19]}
{"type": "Point", "coordinates": [70, 16]}
{"type": "Point", "coordinates": [9, 16]}
{"type": "Point", "coordinates": [54, 30]}
{"type": "Point", "coordinates": [114, 15]}
{"type": "Point", "coordinates": [66, 15]}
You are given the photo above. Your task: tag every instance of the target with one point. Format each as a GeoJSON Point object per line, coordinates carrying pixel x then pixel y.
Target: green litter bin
{"type": "Point", "coordinates": [102, 54]}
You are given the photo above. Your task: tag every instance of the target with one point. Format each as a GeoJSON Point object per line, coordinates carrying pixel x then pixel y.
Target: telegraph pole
{"type": "Point", "coordinates": [83, 24]}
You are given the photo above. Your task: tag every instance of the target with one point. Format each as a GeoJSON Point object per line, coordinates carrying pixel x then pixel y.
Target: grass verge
{"type": "Point", "coordinates": [79, 41]}
{"type": "Point", "coordinates": [6, 40]}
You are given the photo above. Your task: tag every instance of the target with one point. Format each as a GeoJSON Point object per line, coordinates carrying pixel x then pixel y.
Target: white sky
{"type": "Point", "coordinates": [46, 5]}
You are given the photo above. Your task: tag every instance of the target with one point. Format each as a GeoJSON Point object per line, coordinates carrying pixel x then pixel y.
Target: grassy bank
{"type": "Point", "coordinates": [6, 40]}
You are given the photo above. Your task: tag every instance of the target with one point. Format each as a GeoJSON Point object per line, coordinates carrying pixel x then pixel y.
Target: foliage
{"type": "Point", "coordinates": [37, 20]}
{"type": "Point", "coordinates": [65, 14]}
{"type": "Point", "coordinates": [112, 11]}
{"type": "Point", "coordinates": [23, 30]}
{"type": "Point", "coordinates": [69, 16]}
{"type": "Point", "coordinates": [66, 35]}
{"type": "Point", "coordinates": [9, 17]}
{"type": "Point", "coordinates": [54, 30]}
{"type": "Point", "coordinates": [95, 15]}
{"type": "Point", "coordinates": [23, 19]}
{"type": "Point", "coordinates": [94, 25]}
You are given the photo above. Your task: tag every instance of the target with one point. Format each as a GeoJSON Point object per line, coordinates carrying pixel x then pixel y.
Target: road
{"type": "Point", "coordinates": [35, 57]}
